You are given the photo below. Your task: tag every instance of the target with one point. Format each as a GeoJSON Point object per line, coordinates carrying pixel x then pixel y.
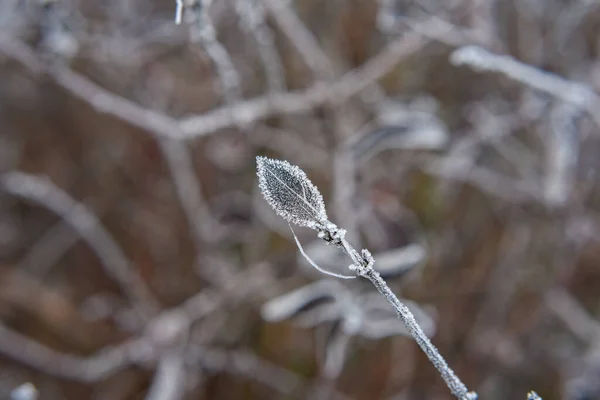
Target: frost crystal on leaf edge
{"type": "Point", "coordinates": [308, 210]}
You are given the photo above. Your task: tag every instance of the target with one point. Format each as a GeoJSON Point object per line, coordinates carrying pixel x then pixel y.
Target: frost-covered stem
{"type": "Point", "coordinates": [364, 266]}
{"type": "Point", "coordinates": [454, 383]}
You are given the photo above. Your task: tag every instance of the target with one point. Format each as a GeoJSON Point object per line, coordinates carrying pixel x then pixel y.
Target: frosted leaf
{"type": "Point", "coordinates": [289, 191]}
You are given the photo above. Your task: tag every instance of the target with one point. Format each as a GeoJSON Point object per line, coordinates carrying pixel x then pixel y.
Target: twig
{"type": "Point", "coordinates": [573, 315]}
{"type": "Point", "coordinates": [203, 31]}
{"type": "Point", "coordinates": [83, 369]}
{"type": "Point", "coordinates": [50, 248]}
{"type": "Point", "coordinates": [562, 153]}
{"type": "Point", "coordinates": [249, 365]}
{"type": "Point", "coordinates": [83, 220]}
{"type": "Point", "coordinates": [302, 39]}
{"type": "Point", "coordinates": [178, 11]}
{"type": "Point", "coordinates": [365, 269]}
{"type": "Point", "coordinates": [227, 116]}
{"type": "Point", "coordinates": [169, 380]}
{"type": "Point", "coordinates": [485, 179]}
{"type": "Point", "coordinates": [571, 92]}
{"type": "Point", "coordinates": [203, 226]}
{"type": "Point", "coordinates": [252, 15]}
{"type": "Point", "coordinates": [301, 101]}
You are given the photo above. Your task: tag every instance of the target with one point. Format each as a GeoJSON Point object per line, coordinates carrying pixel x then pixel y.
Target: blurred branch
{"type": "Point", "coordinates": [571, 92]}
{"type": "Point", "coordinates": [83, 369]}
{"type": "Point", "coordinates": [244, 112]}
{"type": "Point", "coordinates": [169, 380]}
{"type": "Point", "coordinates": [253, 18]}
{"type": "Point", "coordinates": [50, 307]}
{"type": "Point", "coordinates": [301, 101]}
{"type": "Point", "coordinates": [562, 154]}
{"type": "Point", "coordinates": [302, 39]}
{"type": "Point", "coordinates": [203, 31]}
{"type": "Point", "coordinates": [573, 315]}
{"type": "Point", "coordinates": [203, 226]}
{"type": "Point", "coordinates": [98, 98]}
{"type": "Point", "coordinates": [22, 53]}
{"type": "Point", "coordinates": [49, 249]}
{"type": "Point", "coordinates": [83, 220]}
{"type": "Point", "coordinates": [487, 180]}
{"type": "Point", "coordinates": [249, 365]}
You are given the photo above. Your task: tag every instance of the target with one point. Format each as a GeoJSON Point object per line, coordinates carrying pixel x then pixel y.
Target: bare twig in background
{"type": "Point", "coordinates": [179, 11]}
{"type": "Point", "coordinates": [203, 31]}
{"type": "Point", "coordinates": [169, 382]}
{"type": "Point", "coordinates": [83, 369]}
{"type": "Point", "coordinates": [46, 252]}
{"type": "Point", "coordinates": [245, 112]}
{"type": "Point", "coordinates": [297, 102]}
{"type": "Point", "coordinates": [249, 365]}
{"type": "Point", "coordinates": [302, 39]}
{"type": "Point", "coordinates": [253, 17]}
{"type": "Point", "coordinates": [563, 149]}
{"type": "Point", "coordinates": [115, 262]}
{"type": "Point", "coordinates": [202, 224]}
{"type": "Point", "coordinates": [574, 93]}
{"type": "Point", "coordinates": [565, 307]}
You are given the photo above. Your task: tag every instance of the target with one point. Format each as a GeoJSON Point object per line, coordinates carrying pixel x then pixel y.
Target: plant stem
{"type": "Point", "coordinates": [365, 269]}
{"type": "Point", "coordinates": [454, 383]}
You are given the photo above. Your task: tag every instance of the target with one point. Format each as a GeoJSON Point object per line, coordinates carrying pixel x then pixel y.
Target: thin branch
{"type": "Point", "coordinates": [302, 39]}
{"type": "Point", "coordinates": [455, 385]}
{"type": "Point", "coordinates": [249, 365]}
{"type": "Point", "coordinates": [562, 154]}
{"type": "Point", "coordinates": [49, 249]}
{"type": "Point", "coordinates": [337, 92]}
{"type": "Point", "coordinates": [252, 16]}
{"type": "Point", "coordinates": [228, 116]}
{"type": "Point", "coordinates": [315, 266]}
{"type": "Point", "coordinates": [104, 363]}
{"type": "Point", "coordinates": [568, 91]}
{"type": "Point", "coordinates": [83, 220]}
{"type": "Point", "coordinates": [169, 380]}
{"type": "Point", "coordinates": [203, 225]}
{"type": "Point", "coordinates": [104, 101]}
{"type": "Point", "coordinates": [203, 31]}
{"type": "Point", "coordinates": [573, 315]}
{"type": "Point", "coordinates": [178, 12]}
